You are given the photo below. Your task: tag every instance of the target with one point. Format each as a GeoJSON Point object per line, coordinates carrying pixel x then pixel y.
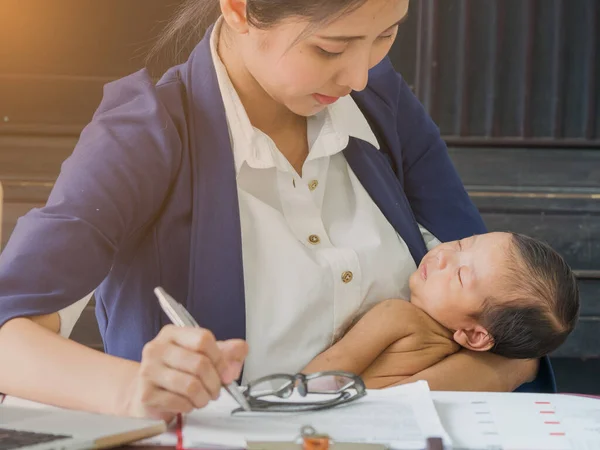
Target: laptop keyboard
{"type": "Point", "coordinates": [12, 439]}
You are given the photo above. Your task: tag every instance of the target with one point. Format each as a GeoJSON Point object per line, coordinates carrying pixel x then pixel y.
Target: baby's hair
{"type": "Point", "coordinates": [540, 305]}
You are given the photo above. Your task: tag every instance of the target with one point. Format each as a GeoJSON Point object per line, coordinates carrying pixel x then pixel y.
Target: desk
{"type": "Point", "coordinates": [567, 421]}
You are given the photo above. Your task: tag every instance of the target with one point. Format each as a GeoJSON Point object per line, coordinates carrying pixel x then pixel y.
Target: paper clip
{"type": "Point", "coordinates": [313, 441]}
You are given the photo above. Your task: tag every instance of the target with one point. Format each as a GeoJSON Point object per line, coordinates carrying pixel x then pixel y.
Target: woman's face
{"type": "Point", "coordinates": [306, 75]}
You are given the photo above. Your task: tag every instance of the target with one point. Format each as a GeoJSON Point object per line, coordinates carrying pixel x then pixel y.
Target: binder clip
{"type": "Point", "coordinates": [309, 439]}
{"type": "Point", "coordinates": [313, 441]}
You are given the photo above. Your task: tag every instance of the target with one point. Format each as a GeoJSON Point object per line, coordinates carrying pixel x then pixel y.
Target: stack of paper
{"type": "Point", "coordinates": [402, 417]}
{"type": "Point", "coordinates": [519, 421]}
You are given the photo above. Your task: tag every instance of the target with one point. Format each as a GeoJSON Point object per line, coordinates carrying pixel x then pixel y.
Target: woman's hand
{"type": "Point", "coordinates": [182, 369]}
{"type": "Point", "coordinates": [478, 371]}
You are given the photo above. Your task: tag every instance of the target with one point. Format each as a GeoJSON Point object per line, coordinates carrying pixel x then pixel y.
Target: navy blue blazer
{"type": "Point", "coordinates": [149, 198]}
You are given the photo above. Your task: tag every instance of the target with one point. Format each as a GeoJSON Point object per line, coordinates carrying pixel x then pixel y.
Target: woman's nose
{"type": "Point", "coordinates": [359, 78]}
{"type": "Point", "coordinates": [355, 75]}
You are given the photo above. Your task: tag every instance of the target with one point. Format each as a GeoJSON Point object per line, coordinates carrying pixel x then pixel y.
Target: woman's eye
{"type": "Point", "coordinates": [384, 38]}
{"type": "Point", "coordinates": [327, 54]}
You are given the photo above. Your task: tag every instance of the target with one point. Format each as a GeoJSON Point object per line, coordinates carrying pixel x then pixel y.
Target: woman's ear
{"type": "Point", "coordinates": [234, 13]}
{"type": "Point", "coordinates": [477, 339]}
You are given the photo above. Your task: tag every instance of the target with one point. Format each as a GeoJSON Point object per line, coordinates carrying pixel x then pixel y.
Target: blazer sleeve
{"type": "Point", "coordinates": [431, 183]}
{"type": "Point", "coordinates": [110, 187]}
{"type": "Point", "coordinates": [436, 193]}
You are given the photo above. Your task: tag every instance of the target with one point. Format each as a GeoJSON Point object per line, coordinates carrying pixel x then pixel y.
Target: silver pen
{"type": "Point", "coordinates": [182, 318]}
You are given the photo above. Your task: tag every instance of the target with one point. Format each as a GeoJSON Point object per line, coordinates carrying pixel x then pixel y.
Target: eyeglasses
{"type": "Point", "coordinates": [335, 387]}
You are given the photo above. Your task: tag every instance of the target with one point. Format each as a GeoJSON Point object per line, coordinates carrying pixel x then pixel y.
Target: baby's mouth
{"type": "Point", "coordinates": [424, 271]}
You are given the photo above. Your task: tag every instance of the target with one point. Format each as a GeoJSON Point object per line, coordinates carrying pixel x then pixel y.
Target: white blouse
{"type": "Point", "coordinates": [316, 248]}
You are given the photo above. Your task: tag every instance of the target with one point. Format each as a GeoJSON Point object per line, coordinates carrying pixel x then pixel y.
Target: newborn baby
{"type": "Point", "coordinates": [499, 292]}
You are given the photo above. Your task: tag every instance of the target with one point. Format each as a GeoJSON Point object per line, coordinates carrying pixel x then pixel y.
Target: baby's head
{"type": "Point", "coordinates": [503, 292]}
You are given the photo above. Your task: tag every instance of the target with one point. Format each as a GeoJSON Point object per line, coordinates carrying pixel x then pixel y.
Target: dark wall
{"type": "Point", "coordinates": [518, 72]}
{"type": "Point", "coordinates": [513, 85]}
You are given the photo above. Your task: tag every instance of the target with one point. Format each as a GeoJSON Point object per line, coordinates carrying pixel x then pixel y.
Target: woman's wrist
{"type": "Point", "coordinates": [124, 386]}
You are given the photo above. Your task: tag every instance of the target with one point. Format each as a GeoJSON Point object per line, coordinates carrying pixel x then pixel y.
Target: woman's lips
{"type": "Point", "coordinates": [325, 99]}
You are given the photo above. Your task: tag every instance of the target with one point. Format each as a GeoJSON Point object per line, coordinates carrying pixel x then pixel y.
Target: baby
{"type": "Point", "coordinates": [499, 292]}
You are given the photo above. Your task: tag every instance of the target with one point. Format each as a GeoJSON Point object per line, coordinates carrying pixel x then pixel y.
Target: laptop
{"type": "Point", "coordinates": [58, 429]}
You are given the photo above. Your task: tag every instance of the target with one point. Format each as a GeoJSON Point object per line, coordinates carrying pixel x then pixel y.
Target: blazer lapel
{"type": "Point", "coordinates": [374, 171]}
{"type": "Point", "coordinates": [216, 283]}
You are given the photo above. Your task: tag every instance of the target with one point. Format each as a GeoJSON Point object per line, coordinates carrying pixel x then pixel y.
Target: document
{"type": "Point", "coordinates": [402, 417]}
{"type": "Point", "coordinates": [505, 421]}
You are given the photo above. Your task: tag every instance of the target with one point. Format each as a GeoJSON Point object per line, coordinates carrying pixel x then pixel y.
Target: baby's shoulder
{"type": "Point", "coordinates": [398, 309]}
{"type": "Point", "coordinates": [418, 329]}
{"type": "Point", "coordinates": [398, 312]}
{"type": "Point", "coordinates": [395, 306]}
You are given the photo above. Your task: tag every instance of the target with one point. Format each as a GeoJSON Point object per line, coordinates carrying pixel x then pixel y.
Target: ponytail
{"type": "Point", "coordinates": [192, 18]}
{"type": "Point", "coordinates": [184, 30]}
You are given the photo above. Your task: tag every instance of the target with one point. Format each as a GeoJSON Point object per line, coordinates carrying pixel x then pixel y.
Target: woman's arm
{"type": "Point", "coordinates": [380, 327]}
{"type": "Point", "coordinates": [182, 368]}
{"type": "Point", "coordinates": [40, 365]}
{"type": "Point", "coordinates": [477, 371]}
{"type": "Point", "coordinates": [114, 183]}
{"type": "Point", "coordinates": [112, 186]}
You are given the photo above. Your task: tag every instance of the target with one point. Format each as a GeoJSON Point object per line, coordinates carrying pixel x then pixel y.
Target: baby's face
{"type": "Point", "coordinates": [455, 278]}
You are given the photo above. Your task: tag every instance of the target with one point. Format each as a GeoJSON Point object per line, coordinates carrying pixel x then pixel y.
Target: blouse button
{"type": "Point", "coordinates": [313, 185]}
{"type": "Point", "coordinates": [347, 277]}
{"type": "Point", "coordinates": [314, 239]}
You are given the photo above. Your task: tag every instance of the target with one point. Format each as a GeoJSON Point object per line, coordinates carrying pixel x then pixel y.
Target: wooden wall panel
{"type": "Point", "coordinates": [56, 56]}
{"type": "Point", "coordinates": [521, 168]}
{"type": "Point", "coordinates": [549, 194]}
{"type": "Point", "coordinates": [82, 38]}
{"type": "Point", "coordinates": [48, 105]}
{"type": "Point", "coordinates": [86, 330]}
{"type": "Point", "coordinates": [503, 69]}
{"type": "Point", "coordinates": [33, 158]}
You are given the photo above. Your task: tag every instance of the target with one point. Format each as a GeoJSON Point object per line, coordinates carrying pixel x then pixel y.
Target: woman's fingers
{"type": "Point", "coordinates": [184, 368]}
{"type": "Point", "coordinates": [196, 340]}
{"type": "Point", "coordinates": [149, 400]}
{"type": "Point", "coordinates": [195, 364]}
{"type": "Point", "coordinates": [233, 349]}
{"type": "Point", "coordinates": [221, 354]}
{"type": "Point", "coordinates": [181, 383]}
{"type": "Point", "coordinates": [234, 353]}
{"type": "Point", "coordinates": [165, 403]}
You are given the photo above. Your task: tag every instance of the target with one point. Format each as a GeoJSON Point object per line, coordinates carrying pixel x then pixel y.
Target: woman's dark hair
{"type": "Point", "coordinates": [193, 16]}
{"type": "Point", "coordinates": [541, 307]}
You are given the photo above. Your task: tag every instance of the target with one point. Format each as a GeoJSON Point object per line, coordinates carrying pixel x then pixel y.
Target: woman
{"type": "Point", "coordinates": [253, 188]}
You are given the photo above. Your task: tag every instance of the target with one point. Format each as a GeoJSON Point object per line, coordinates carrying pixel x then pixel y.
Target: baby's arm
{"type": "Point", "coordinates": [381, 326]}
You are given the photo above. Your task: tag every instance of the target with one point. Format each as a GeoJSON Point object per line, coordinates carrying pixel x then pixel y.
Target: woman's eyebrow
{"type": "Point", "coordinates": [359, 37]}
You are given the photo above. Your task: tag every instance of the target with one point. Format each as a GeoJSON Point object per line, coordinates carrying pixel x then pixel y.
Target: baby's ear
{"type": "Point", "coordinates": [477, 339]}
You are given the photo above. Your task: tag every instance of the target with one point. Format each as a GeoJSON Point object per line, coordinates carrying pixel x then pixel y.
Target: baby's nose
{"type": "Point", "coordinates": [442, 260]}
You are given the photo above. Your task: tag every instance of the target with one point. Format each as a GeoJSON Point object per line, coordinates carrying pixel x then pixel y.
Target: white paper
{"type": "Point", "coordinates": [401, 417]}
{"type": "Point", "coordinates": [581, 420]}
{"type": "Point", "coordinates": [519, 421]}
{"type": "Point", "coordinates": [22, 403]}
